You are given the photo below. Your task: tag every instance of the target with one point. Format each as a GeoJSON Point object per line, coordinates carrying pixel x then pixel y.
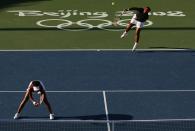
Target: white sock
{"type": "Point", "coordinates": [134, 47]}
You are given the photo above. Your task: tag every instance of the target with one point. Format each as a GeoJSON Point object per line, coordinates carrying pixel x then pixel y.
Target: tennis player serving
{"type": "Point", "coordinates": [35, 87]}
{"type": "Point", "coordinates": [139, 18]}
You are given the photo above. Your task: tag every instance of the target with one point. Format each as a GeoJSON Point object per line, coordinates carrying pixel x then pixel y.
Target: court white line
{"type": "Point", "coordinates": [64, 50]}
{"type": "Point", "coordinates": [106, 110]}
{"type": "Point", "coordinates": [109, 91]}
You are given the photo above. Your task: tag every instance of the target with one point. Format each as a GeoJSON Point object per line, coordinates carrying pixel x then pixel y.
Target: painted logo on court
{"type": "Point", "coordinates": [63, 19]}
{"type": "Point", "coordinates": [85, 24]}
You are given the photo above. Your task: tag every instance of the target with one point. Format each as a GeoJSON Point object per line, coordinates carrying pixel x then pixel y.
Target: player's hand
{"type": "Point", "coordinates": [36, 104]}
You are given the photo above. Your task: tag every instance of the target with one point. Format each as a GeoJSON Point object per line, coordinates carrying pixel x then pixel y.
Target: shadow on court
{"type": "Point", "coordinates": [87, 117]}
{"type": "Point", "coordinates": [162, 47]}
{"type": "Point", "coordinates": [9, 3]}
{"type": "Point", "coordinates": [100, 117]}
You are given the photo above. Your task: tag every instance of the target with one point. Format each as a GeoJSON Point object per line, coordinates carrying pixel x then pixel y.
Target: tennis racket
{"type": "Point", "coordinates": [117, 18]}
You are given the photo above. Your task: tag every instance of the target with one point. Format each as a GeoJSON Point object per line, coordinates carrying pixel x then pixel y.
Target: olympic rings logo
{"type": "Point", "coordinates": [85, 24]}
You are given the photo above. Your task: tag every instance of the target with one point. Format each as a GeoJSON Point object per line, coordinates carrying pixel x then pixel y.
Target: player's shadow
{"type": "Point", "coordinates": [161, 47]}
{"type": "Point", "coordinates": [34, 117]}
{"type": "Point", "coordinates": [9, 3]}
{"type": "Point", "coordinates": [98, 117]}
{"type": "Point", "coordinates": [87, 117]}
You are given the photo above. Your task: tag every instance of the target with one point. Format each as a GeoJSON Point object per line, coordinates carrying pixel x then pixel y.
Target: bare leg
{"type": "Point", "coordinates": [137, 36]}
{"type": "Point", "coordinates": [129, 26]}
{"type": "Point", "coordinates": [48, 105]}
{"type": "Point", "coordinates": [22, 104]}
{"type": "Point", "coordinates": [51, 115]}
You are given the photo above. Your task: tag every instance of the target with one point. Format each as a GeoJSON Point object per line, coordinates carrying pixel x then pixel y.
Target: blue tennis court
{"type": "Point", "coordinates": [101, 85]}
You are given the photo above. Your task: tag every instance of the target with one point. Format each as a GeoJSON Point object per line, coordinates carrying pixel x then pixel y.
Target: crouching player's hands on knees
{"type": "Point", "coordinates": [36, 104]}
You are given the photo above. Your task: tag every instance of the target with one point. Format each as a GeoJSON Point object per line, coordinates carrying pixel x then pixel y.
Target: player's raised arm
{"type": "Point", "coordinates": [132, 8]}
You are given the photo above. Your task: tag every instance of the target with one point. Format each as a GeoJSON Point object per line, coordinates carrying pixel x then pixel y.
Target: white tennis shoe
{"type": "Point", "coordinates": [16, 116]}
{"type": "Point", "coordinates": [51, 116]}
{"type": "Point", "coordinates": [124, 34]}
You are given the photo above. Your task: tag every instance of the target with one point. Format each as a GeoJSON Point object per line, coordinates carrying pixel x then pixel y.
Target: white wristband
{"type": "Point", "coordinates": [34, 102]}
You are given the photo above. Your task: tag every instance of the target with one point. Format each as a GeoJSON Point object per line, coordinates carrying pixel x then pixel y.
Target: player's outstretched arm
{"type": "Point", "coordinates": [29, 91]}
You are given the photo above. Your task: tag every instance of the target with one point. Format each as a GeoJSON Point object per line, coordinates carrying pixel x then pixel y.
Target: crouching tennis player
{"type": "Point", "coordinates": [35, 87]}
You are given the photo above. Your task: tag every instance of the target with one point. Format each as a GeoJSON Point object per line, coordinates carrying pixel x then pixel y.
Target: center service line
{"type": "Point", "coordinates": [106, 110]}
